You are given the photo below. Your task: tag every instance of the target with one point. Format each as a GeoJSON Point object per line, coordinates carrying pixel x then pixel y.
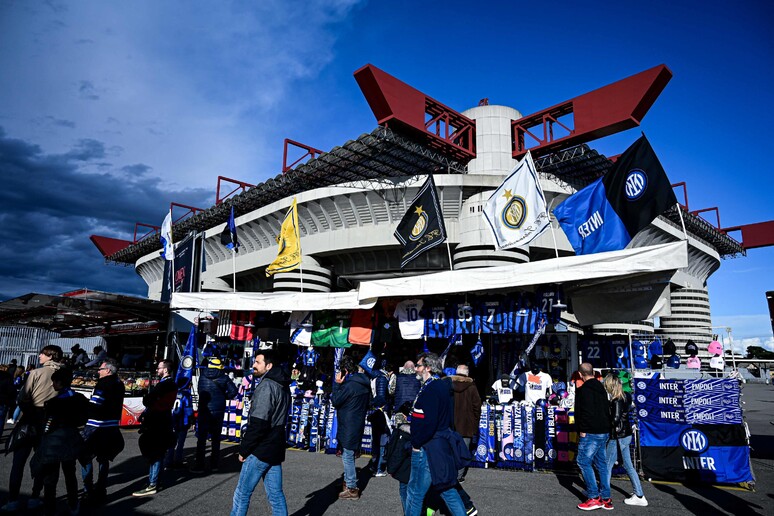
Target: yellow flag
{"type": "Point", "coordinates": [289, 253]}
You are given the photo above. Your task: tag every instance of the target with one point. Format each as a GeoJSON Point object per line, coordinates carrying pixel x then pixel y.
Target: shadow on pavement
{"type": "Point", "coordinates": [319, 501]}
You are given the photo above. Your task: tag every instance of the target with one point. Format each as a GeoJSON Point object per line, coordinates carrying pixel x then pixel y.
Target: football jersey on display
{"type": "Point", "coordinates": [545, 300]}
{"type": "Point", "coordinates": [535, 385]}
{"type": "Point", "coordinates": [410, 319]}
{"type": "Point", "coordinates": [332, 329]}
{"type": "Point", "coordinates": [462, 316]}
{"type": "Point", "coordinates": [494, 315]}
{"type": "Point", "coordinates": [437, 321]}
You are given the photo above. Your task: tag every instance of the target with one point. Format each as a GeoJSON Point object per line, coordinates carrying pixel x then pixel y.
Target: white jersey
{"type": "Point", "coordinates": [301, 328]}
{"type": "Point", "coordinates": [535, 386]}
{"type": "Point", "coordinates": [504, 393]}
{"type": "Point", "coordinates": [410, 319]}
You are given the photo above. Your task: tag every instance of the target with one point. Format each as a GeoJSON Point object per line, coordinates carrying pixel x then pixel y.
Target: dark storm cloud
{"type": "Point", "coordinates": [50, 208]}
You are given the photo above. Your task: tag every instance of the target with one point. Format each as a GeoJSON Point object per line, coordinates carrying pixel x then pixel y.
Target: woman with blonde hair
{"type": "Point", "coordinates": [621, 436]}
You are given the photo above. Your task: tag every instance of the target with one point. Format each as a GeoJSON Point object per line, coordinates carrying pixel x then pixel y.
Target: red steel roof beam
{"type": "Point", "coordinates": [109, 246]}
{"type": "Point", "coordinates": [760, 234]}
{"type": "Point", "coordinates": [240, 185]}
{"type": "Point", "coordinates": [685, 194]}
{"type": "Point", "coordinates": [189, 210]}
{"type": "Point", "coordinates": [399, 106]}
{"type": "Point", "coordinates": [310, 151]}
{"type": "Point", "coordinates": [703, 210]}
{"type": "Point", "coordinates": [608, 110]}
{"type": "Point", "coordinates": [152, 231]}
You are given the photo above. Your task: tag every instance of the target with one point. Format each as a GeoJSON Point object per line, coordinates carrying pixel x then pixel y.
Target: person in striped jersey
{"type": "Point", "coordinates": [102, 438]}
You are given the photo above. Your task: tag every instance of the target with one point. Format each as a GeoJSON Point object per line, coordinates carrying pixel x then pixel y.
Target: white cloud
{"type": "Point", "coordinates": [190, 88]}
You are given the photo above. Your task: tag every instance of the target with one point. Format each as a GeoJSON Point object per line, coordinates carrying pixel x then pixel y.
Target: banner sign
{"type": "Point", "coordinates": [692, 430]}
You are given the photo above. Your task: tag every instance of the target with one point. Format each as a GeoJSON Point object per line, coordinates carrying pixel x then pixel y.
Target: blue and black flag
{"type": "Point", "coordinates": [421, 228]}
{"type": "Point", "coordinates": [229, 235]}
{"type": "Point", "coordinates": [607, 214]}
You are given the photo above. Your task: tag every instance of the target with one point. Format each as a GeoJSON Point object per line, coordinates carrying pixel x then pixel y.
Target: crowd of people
{"type": "Point", "coordinates": [424, 421]}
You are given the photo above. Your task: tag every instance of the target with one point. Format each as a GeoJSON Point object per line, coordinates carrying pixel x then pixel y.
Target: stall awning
{"type": "Point", "coordinates": [270, 301]}
{"type": "Point", "coordinates": [567, 271]}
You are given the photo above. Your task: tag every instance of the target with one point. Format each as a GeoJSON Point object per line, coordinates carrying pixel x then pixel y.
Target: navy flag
{"type": "Point", "coordinates": [421, 228]}
{"type": "Point", "coordinates": [607, 214]}
{"type": "Point", "coordinates": [229, 235]}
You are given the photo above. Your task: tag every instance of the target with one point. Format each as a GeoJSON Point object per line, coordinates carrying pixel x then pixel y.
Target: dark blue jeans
{"type": "Point", "coordinates": [253, 470]}
{"type": "Point", "coordinates": [208, 424]}
{"type": "Point", "coordinates": [420, 483]}
{"type": "Point", "coordinates": [87, 474]}
{"type": "Point", "coordinates": [591, 454]}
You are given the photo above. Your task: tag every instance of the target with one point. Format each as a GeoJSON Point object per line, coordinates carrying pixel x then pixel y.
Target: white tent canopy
{"type": "Point", "coordinates": [651, 266]}
{"type": "Point", "coordinates": [614, 264]}
{"type": "Point", "coordinates": [269, 301]}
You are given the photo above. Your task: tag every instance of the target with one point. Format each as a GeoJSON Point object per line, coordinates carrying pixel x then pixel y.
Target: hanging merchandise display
{"type": "Point", "coordinates": [692, 430]}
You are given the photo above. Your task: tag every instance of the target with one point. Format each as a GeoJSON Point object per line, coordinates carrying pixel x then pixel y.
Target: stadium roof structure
{"type": "Point", "coordinates": [418, 135]}
{"type": "Point", "coordinates": [85, 313]}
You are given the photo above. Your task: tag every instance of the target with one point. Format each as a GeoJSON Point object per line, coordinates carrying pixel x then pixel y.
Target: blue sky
{"type": "Point", "coordinates": [110, 110]}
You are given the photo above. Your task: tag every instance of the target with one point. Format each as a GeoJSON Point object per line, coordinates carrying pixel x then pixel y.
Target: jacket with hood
{"type": "Point", "coordinates": [37, 388]}
{"type": "Point", "coordinates": [214, 389]}
{"type": "Point", "coordinates": [467, 405]}
{"type": "Point", "coordinates": [265, 433]}
{"type": "Point", "coordinates": [351, 398]}
{"type": "Point", "coordinates": [592, 413]}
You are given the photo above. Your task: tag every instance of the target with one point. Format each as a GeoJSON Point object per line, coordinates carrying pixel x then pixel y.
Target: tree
{"type": "Point", "coordinates": [759, 352]}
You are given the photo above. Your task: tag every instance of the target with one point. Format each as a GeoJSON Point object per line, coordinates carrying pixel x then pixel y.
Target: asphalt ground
{"type": "Point", "coordinates": [312, 482]}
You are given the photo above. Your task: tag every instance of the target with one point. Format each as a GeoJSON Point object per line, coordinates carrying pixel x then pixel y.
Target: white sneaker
{"type": "Point", "coordinates": [636, 500]}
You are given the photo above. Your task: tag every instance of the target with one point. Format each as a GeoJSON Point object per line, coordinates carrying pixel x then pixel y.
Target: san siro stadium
{"type": "Point", "coordinates": [351, 198]}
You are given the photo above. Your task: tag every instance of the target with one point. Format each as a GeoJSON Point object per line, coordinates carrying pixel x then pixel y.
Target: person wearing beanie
{"type": "Point", "coordinates": [214, 389]}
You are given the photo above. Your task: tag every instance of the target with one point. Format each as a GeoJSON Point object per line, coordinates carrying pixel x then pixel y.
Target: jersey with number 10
{"type": "Point", "coordinates": [410, 320]}
{"type": "Point", "coordinates": [494, 315]}
{"type": "Point", "coordinates": [437, 321]}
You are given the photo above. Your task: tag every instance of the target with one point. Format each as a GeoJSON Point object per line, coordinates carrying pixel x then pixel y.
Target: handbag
{"type": "Point", "coordinates": [22, 435]}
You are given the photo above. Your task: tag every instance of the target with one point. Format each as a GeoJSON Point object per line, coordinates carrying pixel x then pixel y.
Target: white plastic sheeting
{"type": "Point", "coordinates": [270, 301]}
{"type": "Point", "coordinates": [614, 264]}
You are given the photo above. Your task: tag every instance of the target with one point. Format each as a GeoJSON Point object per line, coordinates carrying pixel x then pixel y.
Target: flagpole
{"type": "Point", "coordinates": [551, 225]}
{"type": "Point", "coordinates": [172, 272]}
{"type": "Point", "coordinates": [448, 249]}
{"type": "Point", "coordinates": [682, 222]}
{"type": "Point", "coordinates": [233, 265]}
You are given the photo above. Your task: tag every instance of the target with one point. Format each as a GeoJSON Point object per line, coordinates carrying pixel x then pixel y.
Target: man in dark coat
{"type": "Point", "coordinates": [467, 407]}
{"type": "Point", "coordinates": [262, 449]}
{"type": "Point", "coordinates": [406, 386]}
{"type": "Point", "coordinates": [102, 437]}
{"type": "Point", "coordinates": [157, 432]}
{"type": "Point", "coordinates": [214, 389]}
{"type": "Point", "coordinates": [592, 421]}
{"type": "Point", "coordinates": [350, 397]}
{"type": "Point", "coordinates": [433, 449]}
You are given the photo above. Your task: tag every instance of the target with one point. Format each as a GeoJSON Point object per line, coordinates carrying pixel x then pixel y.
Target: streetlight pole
{"type": "Point", "coordinates": [728, 335]}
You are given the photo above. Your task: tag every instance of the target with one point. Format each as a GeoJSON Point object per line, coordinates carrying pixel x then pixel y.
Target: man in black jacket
{"type": "Point", "coordinates": [350, 397]}
{"type": "Point", "coordinates": [102, 437]}
{"type": "Point", "coordinates": [157, 433]}
{"type": "Point", "coordinates": [262, 449]}
{"type": "Point", "coordinates": [592, 419]}
{"type": "Point", "coordinates": [214, 389]}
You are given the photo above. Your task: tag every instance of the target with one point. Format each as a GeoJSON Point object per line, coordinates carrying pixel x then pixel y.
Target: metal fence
{"type": "Point", "coordinates": [24, 343]}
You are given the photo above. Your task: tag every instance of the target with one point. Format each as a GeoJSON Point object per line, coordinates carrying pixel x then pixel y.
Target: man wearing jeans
{"type": "Point", "coordinates": [262, 449]}
{"type": "Point", "coordinates": [350, 397]}
{"type": "Point", "coordinates": [431, 422]}
{"type": "Point", "coordinates": [592, 419]}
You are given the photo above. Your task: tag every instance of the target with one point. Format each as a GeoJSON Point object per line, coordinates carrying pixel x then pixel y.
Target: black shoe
{"type": "Point", "coordinates": [461, 480]}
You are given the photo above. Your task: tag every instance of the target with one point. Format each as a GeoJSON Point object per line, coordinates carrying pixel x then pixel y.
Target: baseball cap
{"type": "Point", "coordinates": [674, 362]}
{"type": "Point", "coordinates": [638, 348]}
{"type": "Point", "coordinates": [640, 362]}
{"type": "Point", "coordinates": [214, 363]}
{"type": "Point", "coordinates": [715, 348]}
{"type": "Point", "coordinates": [691, 348]}
{"type": "Point", "coordinates": [669, 347]}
